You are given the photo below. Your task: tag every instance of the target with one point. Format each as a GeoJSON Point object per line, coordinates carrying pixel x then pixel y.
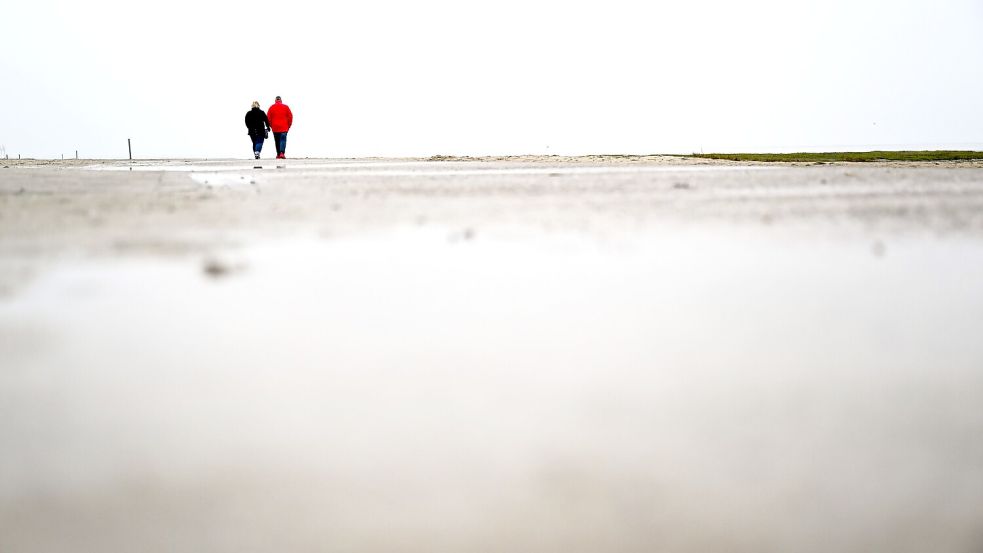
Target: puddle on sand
{"type": "Point", "coordinates": [709, 376]}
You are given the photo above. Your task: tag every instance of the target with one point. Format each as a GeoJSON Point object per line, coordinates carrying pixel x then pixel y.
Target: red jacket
{"type": "Point", "coordinates": [280, 117]}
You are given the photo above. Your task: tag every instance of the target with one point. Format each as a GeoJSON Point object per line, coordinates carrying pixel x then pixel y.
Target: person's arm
{"type": "Point", "coordinates": [290, 119]}
{"type": "Point", "coordinates": [266, 121]}
{"type": "Point", "coordinates": [247, 120]}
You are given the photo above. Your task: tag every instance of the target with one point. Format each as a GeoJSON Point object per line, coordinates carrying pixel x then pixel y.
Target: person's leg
{"type": "Point", "coordinates": [282, 143]}
{"type": "Point", "coordinates": [276, 142]}
{"type": "Point", "coordinates": [257, 146]}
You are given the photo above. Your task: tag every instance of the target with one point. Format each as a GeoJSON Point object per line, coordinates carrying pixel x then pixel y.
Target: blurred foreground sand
{"type": "Point", "coordinates": [515, 355]}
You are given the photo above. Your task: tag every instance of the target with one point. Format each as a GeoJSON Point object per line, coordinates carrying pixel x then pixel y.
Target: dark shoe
{"type": "Point", "coordinates": [256, 154]}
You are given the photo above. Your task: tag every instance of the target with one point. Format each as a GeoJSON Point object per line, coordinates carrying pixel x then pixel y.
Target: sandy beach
{"type": "Point", "coordinates": [609, 353]}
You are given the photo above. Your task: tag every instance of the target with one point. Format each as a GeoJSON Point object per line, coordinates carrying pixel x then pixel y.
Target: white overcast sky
{"type": "Point", "coordinates": [389, 78]}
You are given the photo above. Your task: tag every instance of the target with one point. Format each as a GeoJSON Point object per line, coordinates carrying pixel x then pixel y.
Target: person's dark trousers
{"type": "Point", "coordinates": [257, 144]}
{"type": "Point", "coordinates": [280, 140]}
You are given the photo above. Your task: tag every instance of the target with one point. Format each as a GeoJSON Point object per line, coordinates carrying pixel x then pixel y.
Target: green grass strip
{"type": "Point", "coordinates": [941, 155]}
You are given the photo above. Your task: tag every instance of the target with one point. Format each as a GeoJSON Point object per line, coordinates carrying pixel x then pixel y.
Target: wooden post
{"type": "Point", "coordinates": [76, 154]}
{"type": "Point", "coordinates": [130, 148]}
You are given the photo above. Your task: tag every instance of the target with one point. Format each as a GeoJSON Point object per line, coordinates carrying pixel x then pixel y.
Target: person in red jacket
{"type": "Point", "coordinates": [281, 118]}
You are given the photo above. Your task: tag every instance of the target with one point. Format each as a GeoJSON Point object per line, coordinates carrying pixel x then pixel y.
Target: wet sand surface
{"type": "Point", "coordinates": [524, 354]}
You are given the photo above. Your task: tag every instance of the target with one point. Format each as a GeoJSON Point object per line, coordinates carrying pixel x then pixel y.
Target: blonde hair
{"type": "Point", "coordinates": [255, 104]}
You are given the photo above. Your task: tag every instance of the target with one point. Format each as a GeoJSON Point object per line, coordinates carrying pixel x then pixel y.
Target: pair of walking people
{"type": "Point", "coordinates": [277, 119]}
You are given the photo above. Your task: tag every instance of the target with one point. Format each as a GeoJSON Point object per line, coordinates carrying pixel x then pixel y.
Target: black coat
{"type": "Point", "coordinates": [257, 123]}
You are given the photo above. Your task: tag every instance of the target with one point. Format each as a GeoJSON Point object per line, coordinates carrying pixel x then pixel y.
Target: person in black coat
{"type": "Point", "coordinates": [259, 127]}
